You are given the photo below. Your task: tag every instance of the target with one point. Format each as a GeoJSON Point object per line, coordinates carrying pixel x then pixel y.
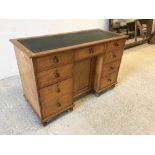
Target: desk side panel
{"type": "Point", "coordinates": [27, 76]}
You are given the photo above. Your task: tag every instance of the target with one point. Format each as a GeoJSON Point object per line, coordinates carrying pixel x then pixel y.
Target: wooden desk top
{"type": "Point", "coordinates": [41, 45]}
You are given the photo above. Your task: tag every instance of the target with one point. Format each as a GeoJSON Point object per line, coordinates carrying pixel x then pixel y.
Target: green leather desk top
{"type": "Point", "coordinates": [44, 43]}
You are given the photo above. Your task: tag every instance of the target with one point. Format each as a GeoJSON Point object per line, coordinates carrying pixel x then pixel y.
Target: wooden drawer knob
{"type": "Point", "coordinates": [55, 59]}
{"type": "Point", "coordinates": [56, 74]}
{"type": "Point", "coordinates": [109, 80]}
{"type": "Point", "coordinates": [58, 104]}
{"type": "Point", "coordinates": [114, 56]}
{"type": "Point", "coordinates": [58, 90]}
{"type": "Point", "coordinates": [111, 67]}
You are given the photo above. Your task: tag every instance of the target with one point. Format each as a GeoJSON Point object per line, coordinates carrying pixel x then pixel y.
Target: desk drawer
{"type": "Point", "coordinates": [111, 67]}
{"type": "Point", "coordinates": [108, 80]}
{"type": "Point", "coordinates": [48, 77]}
{"type": "Point", "coordinates": [52, 61]}
{"type": "Point", "coordinates": [56, 97]}
{"type": "Point", "coordinates": [56, 105]}
{"type": "Point", "coordinates": [116, 45]}
{"type": "Point", "coordinates": [111, 56]}
{"type": "Point", "coordinates": [89, 51]}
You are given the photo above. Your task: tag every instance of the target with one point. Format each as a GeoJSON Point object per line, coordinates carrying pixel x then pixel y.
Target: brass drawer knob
{"type": "Point", "coordinates": [58, 104]}
{"type": "Point", "coordinates": [91, 50]}
{"type": "Point", "coordinates": [55, 59]}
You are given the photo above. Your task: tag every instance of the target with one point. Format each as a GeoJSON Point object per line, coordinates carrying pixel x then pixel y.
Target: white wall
{"type": "Point", "coordinates": [22, 28]}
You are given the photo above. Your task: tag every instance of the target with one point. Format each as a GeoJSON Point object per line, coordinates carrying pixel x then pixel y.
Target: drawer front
{"type": "Point", "coordinates": [52, 61]}
{"type": "Point", "coordinates": [116, 45]}
{"type": "Point", "coordinates": [56, 97]}
{"type": "Point", "coordinates": [56, 105]}
{"type": "Point", "coordinates": [89, 51]}
{"type": "Point", "coordinates": [111, 67]}
{"type": "Point", "coordinates": [108, 80]}
{"type": "Point", "coordinates": [111, 56]}
{"type": "Point", "coordinates": [51, 76]}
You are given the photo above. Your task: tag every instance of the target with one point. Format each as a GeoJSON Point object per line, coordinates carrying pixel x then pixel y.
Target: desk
{"type": "Point", "coordinates": [57, 69]}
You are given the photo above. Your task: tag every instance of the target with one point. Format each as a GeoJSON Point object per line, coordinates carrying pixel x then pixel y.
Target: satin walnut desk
{"type": "Point", "coordinates": [57, 69]}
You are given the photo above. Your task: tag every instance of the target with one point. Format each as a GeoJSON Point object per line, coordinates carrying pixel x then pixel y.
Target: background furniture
{"type": "Point", "coordinates": [55, 69]}
{"type": "Point", "coordinates": [137, 30]}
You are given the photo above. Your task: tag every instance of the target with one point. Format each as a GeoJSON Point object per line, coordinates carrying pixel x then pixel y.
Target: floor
{"type": "Point", "coordinates": [127, 109]}
{"type": "Point", "coordinates": [129, 41]}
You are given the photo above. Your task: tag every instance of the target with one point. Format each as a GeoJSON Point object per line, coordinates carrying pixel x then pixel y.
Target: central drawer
{"type": "Point", "coordinates": [89, 51]}
{"type": "Point", "coordinates": [56, 97]}
{"type": "Point", "coordinates": [51, 76]}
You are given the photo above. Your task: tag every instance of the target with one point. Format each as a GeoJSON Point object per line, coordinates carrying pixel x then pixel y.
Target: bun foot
{"type": "Point", "coordinates": [25, 98]}
{"type": "Point", "coordinates": [71, 109]}
{"type": "Point", "coordinates": [97, 94]}
{"type": "Point", "coordinates": [44, 123]}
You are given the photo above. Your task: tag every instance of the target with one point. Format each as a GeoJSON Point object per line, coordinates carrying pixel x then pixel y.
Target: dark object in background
{"type": "Point", "coordinates": [149, 23]}
{"type": "Point", "coordinates": [151, 40]}
{"type": "Point", "coordinates": [139, 34]}
{"type": "Point", "coordinates": [131, 29]}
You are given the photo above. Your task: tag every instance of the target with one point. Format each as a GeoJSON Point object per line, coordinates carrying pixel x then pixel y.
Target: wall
{"type": "Point", "coordinates": [22, 28]}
